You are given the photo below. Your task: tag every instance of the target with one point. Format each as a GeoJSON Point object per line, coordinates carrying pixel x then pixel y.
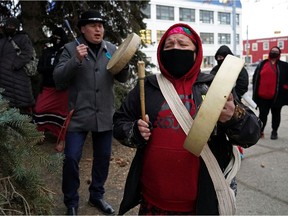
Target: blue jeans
{"type": "Point", "coordinates": [102, 142]}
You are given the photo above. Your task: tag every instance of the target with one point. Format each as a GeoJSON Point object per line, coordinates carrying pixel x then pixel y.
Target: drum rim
{"type": "Point", "coordinates": [124, 53]}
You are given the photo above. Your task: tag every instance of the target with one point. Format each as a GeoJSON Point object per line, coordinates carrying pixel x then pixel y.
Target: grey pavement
{"type": "Point", "coordinates": [262, 178]}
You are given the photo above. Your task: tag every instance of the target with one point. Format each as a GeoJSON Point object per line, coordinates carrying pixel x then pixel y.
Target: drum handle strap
{"type": "Point", "coordinates": [225, 195]}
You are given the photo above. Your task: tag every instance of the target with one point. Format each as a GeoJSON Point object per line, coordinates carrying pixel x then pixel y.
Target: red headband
{"type": "Point", "coordinates": [184, 31]}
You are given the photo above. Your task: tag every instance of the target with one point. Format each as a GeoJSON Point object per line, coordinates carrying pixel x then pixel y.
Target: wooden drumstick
{"type": "Point", "coordinates": [141, 76]}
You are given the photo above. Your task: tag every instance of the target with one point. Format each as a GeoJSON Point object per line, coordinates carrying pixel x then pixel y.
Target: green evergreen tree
{"type": "Point", "coordinates": [22, 190]}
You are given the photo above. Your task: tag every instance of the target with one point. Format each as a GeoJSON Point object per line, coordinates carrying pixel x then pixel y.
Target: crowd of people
{"type": "Point", "coordinates": [77, 98]}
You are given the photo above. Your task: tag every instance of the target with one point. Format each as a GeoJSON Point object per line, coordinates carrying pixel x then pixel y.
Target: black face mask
{"type": "Point", "coordinates": [177, 62]}
{"type": "Point", "coordinates": [219, 62]}
{"type": "Point", "coordinates": [273, 55]}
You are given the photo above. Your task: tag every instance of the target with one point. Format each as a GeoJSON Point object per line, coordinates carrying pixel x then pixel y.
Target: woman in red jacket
{"type": "Point", "coordinates": [270, 89]}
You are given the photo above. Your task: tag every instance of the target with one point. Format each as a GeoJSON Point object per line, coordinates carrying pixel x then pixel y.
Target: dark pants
{"type": "Point", "coordinates": [264, 108]}
{"type": "Point", "coordinates": [102, 142]}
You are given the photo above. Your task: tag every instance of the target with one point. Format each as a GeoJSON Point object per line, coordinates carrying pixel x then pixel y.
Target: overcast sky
{"type": "Point", "coordinates": [264, 17]}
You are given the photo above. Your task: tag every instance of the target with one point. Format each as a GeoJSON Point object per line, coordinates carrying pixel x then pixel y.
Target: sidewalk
{"type": "Point", "coordinates": [262, 179]}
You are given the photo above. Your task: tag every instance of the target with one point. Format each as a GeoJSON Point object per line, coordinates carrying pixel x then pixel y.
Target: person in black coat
{"type": "Point", "coordinates": [243, 79]}
{"type": "Point", "coordinates": [270, 89]}
{"type": "Point", "coordinates": [13, 78]}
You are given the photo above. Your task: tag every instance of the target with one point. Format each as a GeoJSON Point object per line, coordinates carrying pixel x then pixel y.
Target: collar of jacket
{"type": "Point", "coordinates": [202, 78]}
{"type": "Point", "coordinates": [103, 47]}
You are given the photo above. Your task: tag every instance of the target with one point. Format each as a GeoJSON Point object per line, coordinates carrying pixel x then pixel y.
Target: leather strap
{"type": "Point", "coordinates": [225, 195]}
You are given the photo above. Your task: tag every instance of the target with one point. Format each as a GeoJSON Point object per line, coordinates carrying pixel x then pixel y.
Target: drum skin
{"type": "Point", "coordinates": [213, 104]}
{"type": "Point", "coordinates": [124, 53]}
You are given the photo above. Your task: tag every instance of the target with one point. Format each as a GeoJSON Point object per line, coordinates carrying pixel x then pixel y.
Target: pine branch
{"type": "Point", "coordinates": [23, 162]}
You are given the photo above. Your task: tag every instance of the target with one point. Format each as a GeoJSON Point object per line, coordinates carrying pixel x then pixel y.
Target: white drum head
{"type": "Point", "coordinates": [124, 53]}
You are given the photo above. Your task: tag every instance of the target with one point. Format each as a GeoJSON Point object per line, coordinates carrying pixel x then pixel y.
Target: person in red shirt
{"type": "Point", "coordinates": [164, 178]}
{"type": "Point", "coordinates": [51, 108]}
{"type": "Point", "coordinates": [270, 89]}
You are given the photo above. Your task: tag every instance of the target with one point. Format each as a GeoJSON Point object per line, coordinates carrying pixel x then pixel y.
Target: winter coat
{"type": "Point", "coordinates": [242, 81]}
{"type": "Point", "coordinates": [281, 95]}
{"type": "Point", "coordinates": [17, 85]}
{"type": "Point", "coordinates": [244, 132]}
{"type": "Point", "coordinates": [90, 86]}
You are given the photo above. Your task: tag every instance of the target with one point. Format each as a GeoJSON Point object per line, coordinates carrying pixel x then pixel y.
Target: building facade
{"type": "Point", "coordinates": [216, 22]}
{"type": "Point", "coordinates": [258, 49]}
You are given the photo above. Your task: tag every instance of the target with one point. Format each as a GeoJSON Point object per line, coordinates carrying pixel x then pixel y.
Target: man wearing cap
{"type": "Point", "coordinates": [13, 79]}
{"type": "Point", "coordinates": [164, 178]}
{"type": "Point", "coordinates": [82, 69]}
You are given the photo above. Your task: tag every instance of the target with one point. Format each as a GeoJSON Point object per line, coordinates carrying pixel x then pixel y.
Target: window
{"type": "Point", "coordinates": [224, 38]}
{"type": "Point", "coordinates": [187, 15]}
{"type": "Point", "coordinates": [147, 11]}
{"type": "Point", "coordinates": [237, 19]}
{"type": "Point", "coordinates": [247, 46]}
{"type": "Point", "coordinates": [266, 45]}
{"type": "Point", "coordinates": [145, 36]}
{"type": "Point", "coordinates": [254, 46]}
{"type": "Point", "coordinates": [224, 18]}
{"type": "Point", "coordinates": [208, 61]}
{"type": "Point", "coordinates": [237, 39]}
{"type": "Point", "coordinates": [160, 34]}
{"type": "Point", "coordinates": [207, 38]}
{"type": "Point", "coordinates": [280, 44]}
{"type": "Point", "coordinates": [206, 16]}
{"type": "Point", "coordinates": [164, 12]}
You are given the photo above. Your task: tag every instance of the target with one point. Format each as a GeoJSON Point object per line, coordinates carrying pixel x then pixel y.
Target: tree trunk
{"type": "Point", "coordinates": [31, 20]}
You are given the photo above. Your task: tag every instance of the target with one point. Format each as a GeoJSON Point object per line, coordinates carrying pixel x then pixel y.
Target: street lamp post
{"type": "Point", "coordinates": [247, 47]}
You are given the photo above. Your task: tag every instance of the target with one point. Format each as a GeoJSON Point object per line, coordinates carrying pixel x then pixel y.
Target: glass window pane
{"type": "Point", "coordinates": [159, 34]}
{"type": "Point", "coordinates": [224, 18]}
{"type": "Point", "coordinates": [207, 38]}
{"type": "Point", "coordinates": [187, 15]}
{"type": "Point", "coordinates": [164, 12]}
{"type": "Point", "coordinates": [206, 16]}
{"type": "Point", "coordinates": [224, 38]}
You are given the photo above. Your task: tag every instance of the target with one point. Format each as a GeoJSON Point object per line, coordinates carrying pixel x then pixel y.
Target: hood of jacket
{"type": "Point", "coordinates": [278, 58]}
{"type": "Point", "coordinates": [194, 71]}
{"type": "Point", "coordinates": [223, 51]}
